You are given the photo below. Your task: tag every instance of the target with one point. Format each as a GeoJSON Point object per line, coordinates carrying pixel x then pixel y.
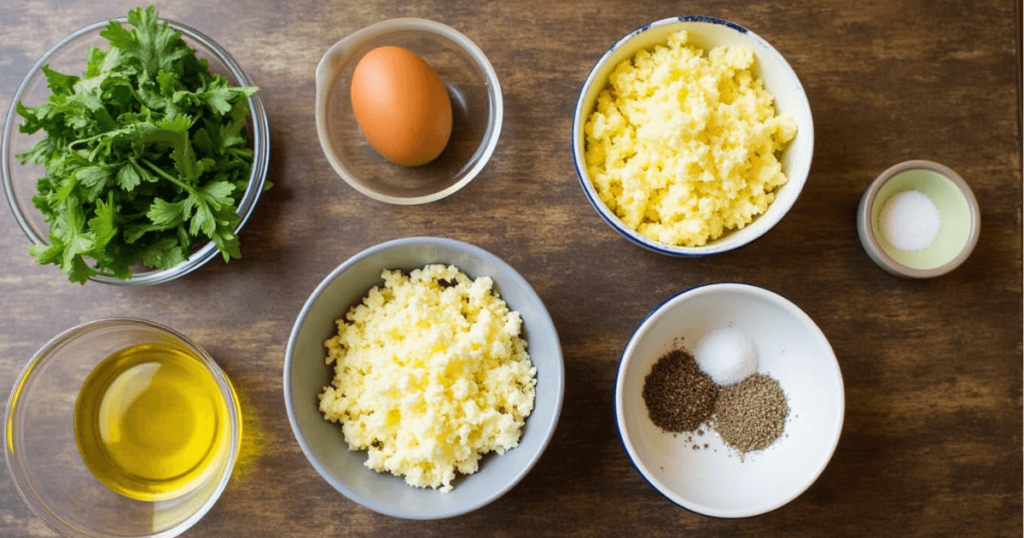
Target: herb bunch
{"type": "Point", "coordinates": [145, 155]}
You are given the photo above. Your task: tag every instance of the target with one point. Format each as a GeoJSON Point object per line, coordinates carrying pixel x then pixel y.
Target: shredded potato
{"type": "Point", "coordinates": [430, 374]}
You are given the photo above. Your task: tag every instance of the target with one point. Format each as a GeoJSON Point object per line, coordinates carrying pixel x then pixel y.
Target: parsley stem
{"type": "Point", "coordinates": [81, 141]}
{"type": "Point", "coordinates": [168, 177]}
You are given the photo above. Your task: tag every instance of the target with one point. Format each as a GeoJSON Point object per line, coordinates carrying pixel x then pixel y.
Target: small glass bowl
{"type": "Point", "coordinates": [42, 454]}
{"type": "Point", "coordinates": [69, 56]}
{"type": "Point", "coordinates": [477, 112]}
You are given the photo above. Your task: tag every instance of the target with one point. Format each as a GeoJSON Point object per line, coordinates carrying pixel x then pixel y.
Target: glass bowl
{"type": "Point", "coordinates": [42, 451]}
{"type": "Point", "coordinates": [476, 101]}
{"type": "Point", "coordinates": [69, 56]}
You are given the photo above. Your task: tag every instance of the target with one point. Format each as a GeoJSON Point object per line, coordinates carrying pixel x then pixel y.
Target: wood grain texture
{"type": "Point", "coordinates": [932, 441]}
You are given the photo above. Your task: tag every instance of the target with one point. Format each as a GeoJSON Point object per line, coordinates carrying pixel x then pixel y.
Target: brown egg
{"type": "Point", "coordinates": [401, 106]}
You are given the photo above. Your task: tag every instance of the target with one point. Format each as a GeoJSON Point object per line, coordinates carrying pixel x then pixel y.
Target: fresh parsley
{"type": "Point", "coordinates": [145, 155]}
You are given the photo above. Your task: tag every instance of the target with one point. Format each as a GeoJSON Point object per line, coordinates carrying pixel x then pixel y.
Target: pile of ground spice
{"type": "Point", "coordinates": [679, 395]}
{"type": "Point", "coordinates": [751, 414]}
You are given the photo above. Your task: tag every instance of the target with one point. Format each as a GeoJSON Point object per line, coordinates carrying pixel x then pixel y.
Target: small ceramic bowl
{"type": "Point", "coordinates": [305, 376]}
{"type": "Point", "coordinates": [477, 112]}
{"type": "Point", "coordinates": [779, 79]}
{"type": "Point", "coordinates": [959, 216]}
{"type": "Point", "coordinates": [41, 447]}
{"type": "Point", "coordinates": [69, 56]}
{"type": "Point", "coordinates": [700, 472]}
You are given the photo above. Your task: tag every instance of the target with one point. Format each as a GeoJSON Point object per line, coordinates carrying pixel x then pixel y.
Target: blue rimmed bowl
{"type": "Point", "coordinates": [779, 79]}
{"type": "Point", "coordinates": [700, 472]}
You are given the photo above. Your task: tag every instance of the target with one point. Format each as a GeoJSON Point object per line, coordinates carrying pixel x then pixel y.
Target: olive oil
{"type": "Point", "coordinates": [151, 422]}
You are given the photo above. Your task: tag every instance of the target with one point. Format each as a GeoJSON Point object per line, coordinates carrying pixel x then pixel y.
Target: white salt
{"type": "Point", "coordinates": [728, 355]}
{"type": "Point", "coordinates": [910, 221]}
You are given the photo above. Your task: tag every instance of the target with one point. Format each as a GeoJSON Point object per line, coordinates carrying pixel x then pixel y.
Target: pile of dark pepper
{"type": "Point", "coordinates": [749, 416]}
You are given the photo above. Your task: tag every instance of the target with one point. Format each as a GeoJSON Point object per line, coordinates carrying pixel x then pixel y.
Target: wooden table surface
{"type": "Point", "coordinates": [931, 444]}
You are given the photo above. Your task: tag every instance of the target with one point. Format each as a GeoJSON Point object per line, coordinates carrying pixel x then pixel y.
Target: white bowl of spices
{"type": "Point", "coordinates": [729, 400]}
{"type": "Point", "coordinates": [919, 219]}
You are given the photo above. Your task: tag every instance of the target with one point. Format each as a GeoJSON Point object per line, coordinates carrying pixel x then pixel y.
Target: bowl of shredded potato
{"type": "Point", "coordinates": [700, 158]}
{"type": "Point", "coordinates": [423, 378]}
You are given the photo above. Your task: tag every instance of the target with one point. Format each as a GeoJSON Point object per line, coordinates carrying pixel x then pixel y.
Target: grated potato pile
{"type": "Point", "coordinates": [430, 375]}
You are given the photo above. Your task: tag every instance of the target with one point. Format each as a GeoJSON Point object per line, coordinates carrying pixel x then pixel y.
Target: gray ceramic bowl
{"type": "Point", "coordinates": [305, 375]}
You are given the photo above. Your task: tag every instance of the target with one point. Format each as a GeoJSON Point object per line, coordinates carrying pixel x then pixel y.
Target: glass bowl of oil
{"type": "Point", "coordinates": [121, 427]}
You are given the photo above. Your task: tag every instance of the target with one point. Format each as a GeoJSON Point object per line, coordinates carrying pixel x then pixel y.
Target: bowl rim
{"type": "Point", "coordinates": [871, 243]}
{"type": "Point", "coordinates": [341, 52]}
{"type": "Point", "coordinates": [24, 486]}
{"type": "Point", "coordinates": [626, 358]}
{"type": "Point", "coordinates": [721, 245]}
{"type": "Point", "coordinates": [337, 482]}
{"type": "Point", "coordinates": [257, 177]}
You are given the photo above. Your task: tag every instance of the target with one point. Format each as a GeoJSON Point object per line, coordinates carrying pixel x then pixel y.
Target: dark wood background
{"type": "Point", "coordinates": [932, 440]}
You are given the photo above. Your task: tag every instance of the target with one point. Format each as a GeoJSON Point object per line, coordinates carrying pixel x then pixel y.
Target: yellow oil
{"type": "Point", "coordinates": [151, 423]}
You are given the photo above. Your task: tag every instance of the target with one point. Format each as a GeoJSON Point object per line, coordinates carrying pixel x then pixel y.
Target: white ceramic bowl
{"type": "Point", "coordinates": [779, 79]}
{"type": "Point", "coordinates": [716, 481]}
{"type": "Point", "coordinates": [477, 112]}
{"type": "Point", "coordinates": [305, 375]}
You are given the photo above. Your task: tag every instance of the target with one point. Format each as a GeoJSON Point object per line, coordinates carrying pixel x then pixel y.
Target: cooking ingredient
{"type": "Point", "coordinates": [401, 105]}
{"type": "Point", "coordinates": [683, 147]}
{"type": "Point", "coordinates": [679, 396]}
{"type": "Point", "coordinates": [145, 155]}
{"type": "Point", "coordinates": [910, 220]}
{"type": "Point", "coordinates": [751, 415]}
{"type": "Point", "coordinates": [728, 355]}
{"type": "Point", "coordinates": [150, 422]}
{"type": "Point", "coordinates": [430, 373]}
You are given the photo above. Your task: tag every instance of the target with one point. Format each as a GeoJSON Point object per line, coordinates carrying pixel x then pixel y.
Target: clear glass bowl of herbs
{"type": "Point", "coordinates": [143, 194]}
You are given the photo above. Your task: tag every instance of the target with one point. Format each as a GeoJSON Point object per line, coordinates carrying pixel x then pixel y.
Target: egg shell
{"type": "Point", "coordinates": [401, 105]}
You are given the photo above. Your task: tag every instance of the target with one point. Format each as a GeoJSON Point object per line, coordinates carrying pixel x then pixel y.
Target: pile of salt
{"type": "Point", "coordinates": [910, 221]}
{"type": "Point", "coordinates": [728, 355]}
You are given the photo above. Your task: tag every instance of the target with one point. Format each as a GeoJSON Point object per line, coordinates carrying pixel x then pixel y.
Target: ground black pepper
{"type": "Point", "coordinates": [680, 397]}
{"type": "Point", "coordinates": [750, 415]}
